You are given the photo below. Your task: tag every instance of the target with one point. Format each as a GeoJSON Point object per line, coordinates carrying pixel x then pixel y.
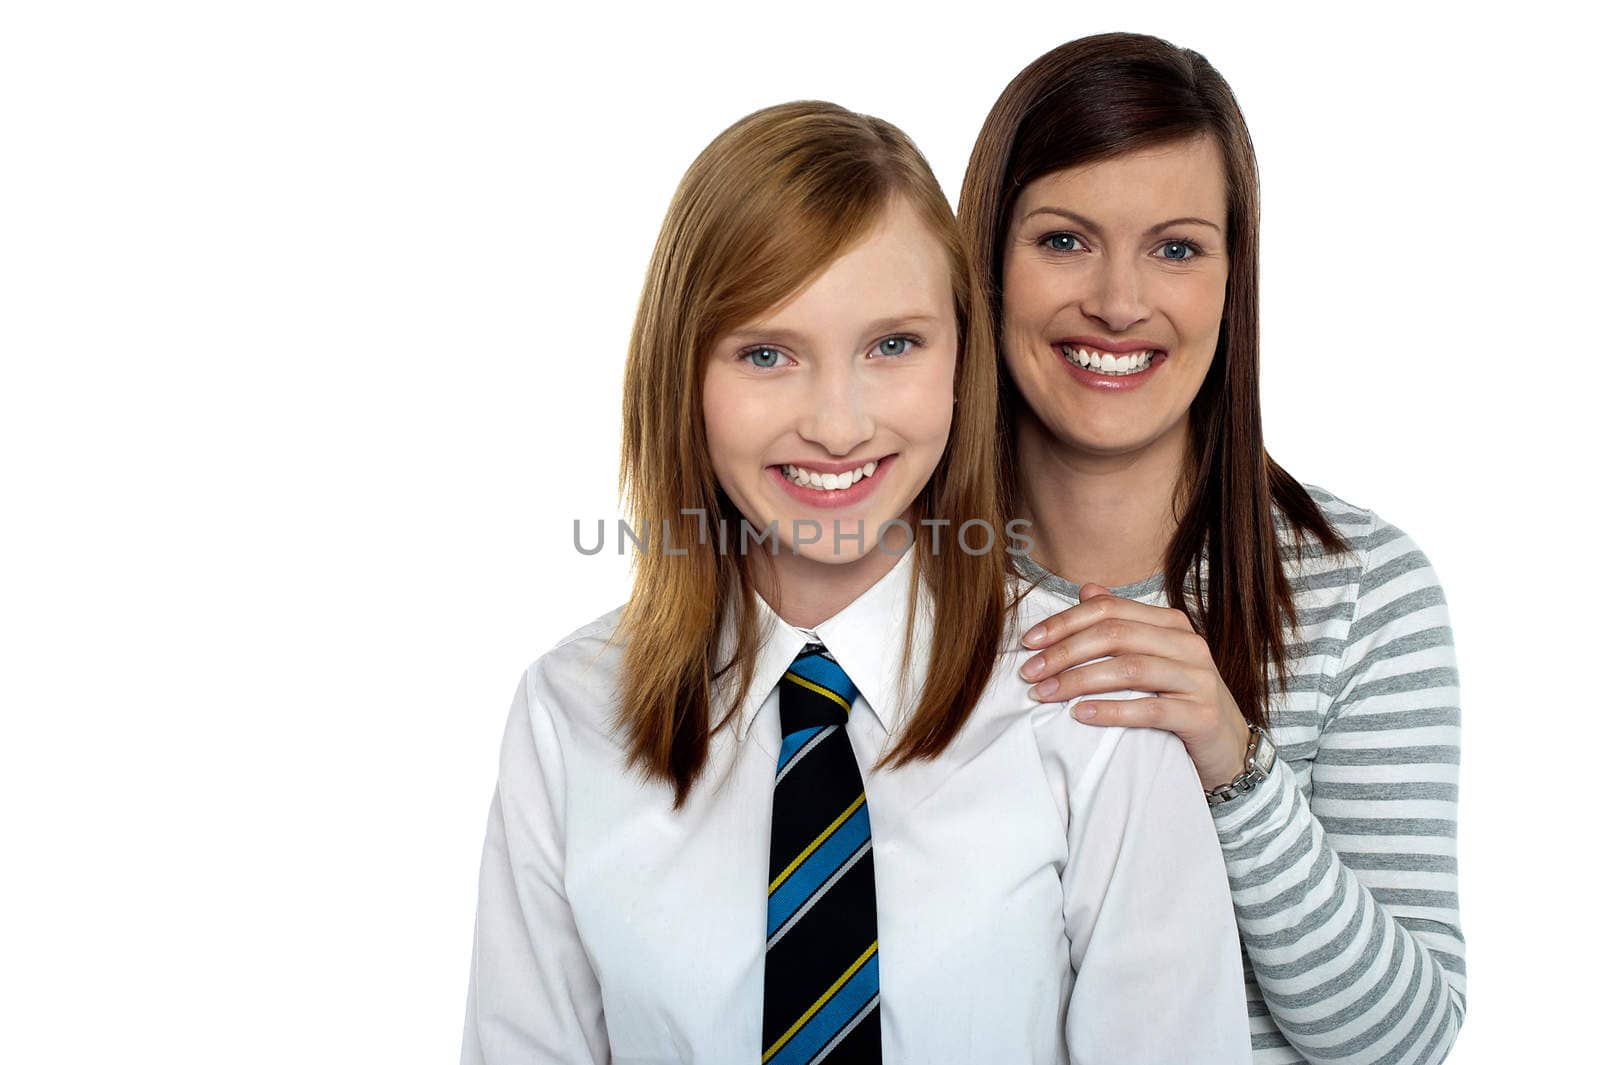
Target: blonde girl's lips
{"type": "Point", "coordinates": [831, 498]}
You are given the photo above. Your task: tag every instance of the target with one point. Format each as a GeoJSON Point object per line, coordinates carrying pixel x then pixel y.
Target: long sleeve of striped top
{"type": "Point", "coordinates": [1343, 862]}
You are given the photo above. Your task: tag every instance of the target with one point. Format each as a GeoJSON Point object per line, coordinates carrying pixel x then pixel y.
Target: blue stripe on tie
{"type": "Point", "coordinates": [821, 864]}
{"type": "Point", "coordinates": [826, 1022]}
{"type": "Point", "coordinates": [793, 742]}
{"type": "Point", "coordinates": [819, 669]}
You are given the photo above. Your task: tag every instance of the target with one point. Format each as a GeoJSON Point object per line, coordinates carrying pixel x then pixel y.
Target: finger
{"type": "Point", "coordinates": [1138, 672]}
{"type": "Point", "coordinates": [1118, 636]}
{"type": "Point", "coordinates": [1166, 714]}
{"type": "Point", "coordinates": [1092, 590]}
{"type": "Point", "coordinates": [1059, 626]}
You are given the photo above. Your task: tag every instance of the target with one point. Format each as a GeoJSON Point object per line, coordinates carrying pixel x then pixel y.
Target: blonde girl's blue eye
{"type": "Point", "coordinates": [1060, 242]}
{"type": "Point", "coordinates": [1178, 250]}
{"type": "Point", "coordinates": [893, 347]}
{"type": "Point", "coordinates": [763, 357]}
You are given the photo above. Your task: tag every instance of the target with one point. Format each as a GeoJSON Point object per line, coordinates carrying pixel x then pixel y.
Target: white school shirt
{"type": "Point", "coordinates": [1047, 891]}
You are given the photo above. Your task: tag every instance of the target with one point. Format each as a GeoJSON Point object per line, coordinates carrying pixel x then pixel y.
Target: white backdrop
{"type": "Point", "coordinates": [313, 319]}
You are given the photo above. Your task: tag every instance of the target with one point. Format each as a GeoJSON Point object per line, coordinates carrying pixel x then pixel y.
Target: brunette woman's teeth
{"type": "Point", "coordinates": [828, 482]}
{"type": "Point", "coordinates": [1108, 364]}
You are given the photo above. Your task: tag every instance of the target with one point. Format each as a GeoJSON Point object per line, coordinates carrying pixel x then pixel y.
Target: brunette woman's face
{"type": "Point", "coordinates": [1114, 277]}
{"type": "Point", "coordinates": [836, 405]}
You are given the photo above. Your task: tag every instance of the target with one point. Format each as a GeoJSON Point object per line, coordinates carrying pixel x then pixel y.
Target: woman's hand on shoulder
{"type": "Point", "coordinates": [1151, 648]}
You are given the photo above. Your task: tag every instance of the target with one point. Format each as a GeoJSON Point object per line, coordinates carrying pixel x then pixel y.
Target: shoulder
{"type": "Point", "coordinates": [1082, 750]}
{"type": "Point", "coordinates": [1353, 524]}
{"type": "Point", "coordinates": [1379, 551]}
{"type": "Point", "coordinates": [1034, 603]}
{"type": "Point", "coordinates": [1384, 555]}
{"type": "Point", "coordinates": [1007, 699]}
{"type": "Point", "coordinates": [1347, 518]}
{"type": "Point", "coordinates": [579, 676]}
{"type": "Point", "coordinates": [545, 745]}
{"type": "Point", "coordinates": [1397, 644]}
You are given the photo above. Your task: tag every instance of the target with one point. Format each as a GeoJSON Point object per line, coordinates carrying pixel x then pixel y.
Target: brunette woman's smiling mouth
{"type": "Point", "coordinates": [1109, 365]}
{"type": "Point", "coordinates": [830, 484]}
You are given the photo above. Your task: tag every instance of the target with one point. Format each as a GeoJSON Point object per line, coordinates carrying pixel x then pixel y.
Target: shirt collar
{"type": "Point", "coordinates": [865, 638]}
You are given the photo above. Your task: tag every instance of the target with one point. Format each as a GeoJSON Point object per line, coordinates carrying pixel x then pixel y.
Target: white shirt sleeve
{"type": "Point", "coordinates": [532, 995]}
{"type": "Point", "coordinates": [1149, 917]}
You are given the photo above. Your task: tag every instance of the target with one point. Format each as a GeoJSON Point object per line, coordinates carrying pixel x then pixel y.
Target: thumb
{"type": "Point", "coordinates": [1091, 590]}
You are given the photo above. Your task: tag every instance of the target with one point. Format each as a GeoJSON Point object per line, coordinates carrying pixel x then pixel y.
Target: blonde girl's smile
{"type": "Point", "coordinates": [830, 485]}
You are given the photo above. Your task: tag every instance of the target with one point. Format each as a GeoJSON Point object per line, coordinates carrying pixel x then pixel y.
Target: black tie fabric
{"type": "Point", "coordinates": [821, 987]}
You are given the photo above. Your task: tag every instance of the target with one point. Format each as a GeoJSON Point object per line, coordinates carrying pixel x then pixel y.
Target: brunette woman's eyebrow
{"type": "Point", "coordinates": [1075, 219]}
{"type": "Point", "coordinates": [1191, 221]}
{"type": "Point", "coordinates": [1085, 223]}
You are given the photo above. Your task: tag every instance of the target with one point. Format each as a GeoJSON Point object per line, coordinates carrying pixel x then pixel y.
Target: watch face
{"type": "Point", "coordinates": [1265, 755]}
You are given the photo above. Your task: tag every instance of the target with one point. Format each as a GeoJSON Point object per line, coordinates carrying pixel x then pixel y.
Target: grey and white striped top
{"type": "Point", "coordinates": [1344, 886]}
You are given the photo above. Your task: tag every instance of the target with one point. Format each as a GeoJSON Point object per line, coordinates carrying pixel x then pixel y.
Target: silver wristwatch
{"type": "Point", "coordinates": [1258, 759]}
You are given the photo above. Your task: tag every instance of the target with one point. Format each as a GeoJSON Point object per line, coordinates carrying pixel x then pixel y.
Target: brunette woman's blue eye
{"type": "Point", "coordinates": [1062, 242]}
{"type": "Point", "coordinates": [893, 346]}
{"type": "Point", "coordinates": [1178, 250]}
{"type": "Point", "coordinates": [766, 358]}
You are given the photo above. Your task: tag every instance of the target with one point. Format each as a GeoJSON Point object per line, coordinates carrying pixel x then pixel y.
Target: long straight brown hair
{"type": "Point", "coordinates": [1102, 96]}
{"type": "Point", "coordinates": [764, 209]}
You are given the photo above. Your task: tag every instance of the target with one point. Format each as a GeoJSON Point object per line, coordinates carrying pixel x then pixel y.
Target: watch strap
{"type": "Point", "coordinates": [1259, 758]}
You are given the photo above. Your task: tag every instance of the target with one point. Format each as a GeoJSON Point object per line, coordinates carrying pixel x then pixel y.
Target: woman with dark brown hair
{"type": "Point", "coordinates": [752, 814]}
{"type": "Point", "coordinates": [1297, 644]}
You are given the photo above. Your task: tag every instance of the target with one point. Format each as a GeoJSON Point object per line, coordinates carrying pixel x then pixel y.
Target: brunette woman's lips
{"type": "Point", "coordinates": [1110, 366]}
{"type": "Point", "coordinates": [832, 498]}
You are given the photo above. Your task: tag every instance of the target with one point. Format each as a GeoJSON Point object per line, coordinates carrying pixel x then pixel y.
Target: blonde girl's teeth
{"type": "Point", "coordinates": [830, 482]}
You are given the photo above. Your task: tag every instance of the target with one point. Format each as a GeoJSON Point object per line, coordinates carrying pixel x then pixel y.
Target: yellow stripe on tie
{"type": "Point", "coordinates": [819, 1003]}
{"type": "Point", "coordinates": [837, 821]}
{"type": "Point", "coordinates": [827, 693]}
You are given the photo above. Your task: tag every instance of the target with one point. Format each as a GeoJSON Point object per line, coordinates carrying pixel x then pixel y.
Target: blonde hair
{"type": "Point", "coordinates": [765, 208]}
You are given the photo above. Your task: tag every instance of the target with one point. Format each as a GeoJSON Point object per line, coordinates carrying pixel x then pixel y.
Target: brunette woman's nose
{"type": "Point", "coordinates": [1115, 297]}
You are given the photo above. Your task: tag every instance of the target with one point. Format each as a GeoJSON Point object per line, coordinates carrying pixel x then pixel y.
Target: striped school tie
{"type": "Point", "coordinates": [821, 1001]}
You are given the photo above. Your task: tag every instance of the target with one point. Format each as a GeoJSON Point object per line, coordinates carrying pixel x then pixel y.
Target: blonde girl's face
{"type": "Point", "coordinates": [827, 415]}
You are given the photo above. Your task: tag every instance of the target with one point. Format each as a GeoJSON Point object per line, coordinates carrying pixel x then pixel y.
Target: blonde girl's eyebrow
{"type": "Point", "coordinates": [899, 321]}
{"type": "Point", "coordinates": [756, 334]}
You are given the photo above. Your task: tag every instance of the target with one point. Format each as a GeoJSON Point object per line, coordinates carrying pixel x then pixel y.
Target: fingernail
{"type": "Point", "coordinates": [1045, 688]}
{"type": "Point", "coordinates": [1084, 711]}
{"type": "Point", "coordinates": [1033, 667]}
{"type": "Point", "coordinates": [1033, 636]}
